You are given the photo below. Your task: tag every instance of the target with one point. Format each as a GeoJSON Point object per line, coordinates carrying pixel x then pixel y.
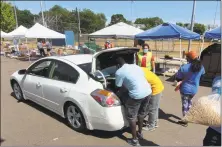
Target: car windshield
{"type": "Point", "coordinates": [86, 67]}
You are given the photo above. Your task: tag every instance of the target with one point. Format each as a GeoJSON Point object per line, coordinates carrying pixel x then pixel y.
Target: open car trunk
{"type": "Point", "coordinates": [105, 62]}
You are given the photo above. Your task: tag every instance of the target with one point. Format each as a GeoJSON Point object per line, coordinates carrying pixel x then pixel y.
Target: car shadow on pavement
{"type": "Point", "coordinates": [95, 133]}
{"type": "Point", "coordinates": [42, 109]}
{"type": "Point", "coordinates": [2, 140]}
{"type": "Point", "coordinates": [163, 115]}
{"type": "Point", "coordinates": [119, 134]}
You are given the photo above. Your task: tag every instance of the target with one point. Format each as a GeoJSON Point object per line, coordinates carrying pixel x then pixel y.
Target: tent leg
{"type": "Point", "coordinates": [201, 48]}
{"type": "Point", "coordinates": [180, 53]}
{"type": "Point", "coordinates": [28, 49]}
{"type": "Point", "coordinates": [156, 48]}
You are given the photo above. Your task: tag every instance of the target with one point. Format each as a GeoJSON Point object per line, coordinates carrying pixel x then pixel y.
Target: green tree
{"type": "Point", "coordinates": [25, 18]}
{"type": "Point", "coordinates": [149, 22]}
{"type": "Point", "coordinates": [91, 22]}
{"type": "Point", "coordinates": [7, 17]}
{"type": "Point", "coordinates": [59, 19]}
{"type": "Point", "coordinates": [116, 18]}
{"type": "Point", "coordinates": [180, 24]}
{"type": "Point", "coordinates": [129, 22]}
{"type": "Point", "coordinates": [199, 28]}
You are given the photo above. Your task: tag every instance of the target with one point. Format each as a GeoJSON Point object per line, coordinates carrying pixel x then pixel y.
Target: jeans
{"type": "Point", "coordinates": [153, 110]}
{"type": "Point", "coordinates": [42, 52]}
{"type": "Point", "coordinates": [186, 103]}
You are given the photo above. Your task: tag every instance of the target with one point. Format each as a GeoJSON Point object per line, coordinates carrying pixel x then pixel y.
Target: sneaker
{"type": "Point", "coordinates": [148, 128]}
{"type": "Point", "coordinates": [140, 136]}
{"type": "Point", "coordinates": [133, 142]}
{"type": "Point", "coordinates": [156, 125]}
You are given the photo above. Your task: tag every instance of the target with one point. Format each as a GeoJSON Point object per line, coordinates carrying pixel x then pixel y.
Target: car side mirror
{"type": "Point", "coordinates": [22, 71]}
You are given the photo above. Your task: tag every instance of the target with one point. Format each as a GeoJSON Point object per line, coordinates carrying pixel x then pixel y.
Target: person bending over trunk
{"type": "Point", "coordinates": [132, 78]}
{"type": "Point", "coordinates": [189, 75]}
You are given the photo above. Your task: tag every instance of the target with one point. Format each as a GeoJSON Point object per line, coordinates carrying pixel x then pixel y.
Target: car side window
{"type": "Point", "coordinates": [41, 68]}
{"type": "Point", "coordinates": [63, 72]}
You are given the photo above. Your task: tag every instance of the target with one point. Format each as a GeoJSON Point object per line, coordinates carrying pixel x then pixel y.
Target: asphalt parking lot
{"type": "Point", "coordinates": [29, 124]}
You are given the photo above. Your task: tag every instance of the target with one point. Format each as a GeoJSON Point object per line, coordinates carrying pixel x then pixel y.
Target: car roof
{"type": "Point", "coordinates": [87, 58]}
{"type": "Point", "coordinates": [76, 59]}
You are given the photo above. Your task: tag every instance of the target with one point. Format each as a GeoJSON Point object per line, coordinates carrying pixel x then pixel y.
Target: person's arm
{"type": "Point", "coordinates": [179, 75]}
{"type": "Point", "coordinates": [119, 82]}
{"type": "Point", "coordinates": [137, 58]}
{"type": "Point", "coordinates": [153, 64]}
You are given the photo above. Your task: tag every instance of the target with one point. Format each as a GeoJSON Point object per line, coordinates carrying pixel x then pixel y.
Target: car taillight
{"type": "Point", "coordinates": [105, 98]}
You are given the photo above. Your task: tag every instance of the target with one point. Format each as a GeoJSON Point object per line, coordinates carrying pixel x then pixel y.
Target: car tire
{"type": "Point", "coordinates": [75, 118]}
{"type": "Point", "coordinates": [17, 91]}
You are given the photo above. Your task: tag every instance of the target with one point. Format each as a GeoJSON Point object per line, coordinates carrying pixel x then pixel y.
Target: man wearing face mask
{"type": "Point", "coordinates": [146, 58]}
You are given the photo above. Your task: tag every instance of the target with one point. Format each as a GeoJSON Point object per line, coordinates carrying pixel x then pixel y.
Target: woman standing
{"type": "Point", "coordinates": [146, 58]}
{"type": "Point", "coordinates": [189, 77]}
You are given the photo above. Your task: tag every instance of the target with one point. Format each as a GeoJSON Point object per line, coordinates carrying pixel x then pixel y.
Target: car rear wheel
{"type": "Point", "coordinates": [75, 118]}
{"type": "Point", "coordinates": [17, 91]}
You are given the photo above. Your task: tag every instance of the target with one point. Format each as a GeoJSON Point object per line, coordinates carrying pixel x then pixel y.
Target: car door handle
{"type": "Point", "coordinates": [38, 84]}
{"type": "Point", "coordinates": [63, 90]}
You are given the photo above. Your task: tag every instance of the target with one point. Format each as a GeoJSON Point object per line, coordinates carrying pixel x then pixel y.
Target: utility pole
{"type": "Point", "coordinates": [43, 19]}
{"type": "Point", "coordinates": [215, 14]}
{"type": "Point", "coordinates": [79, 30]}
{"type": "Point", "coordinates": [192, 22]}
{"type": "Point", "coordinates": [15, 16]}
{"type": "Point", "coordinates": [132, 11]}
{"type": "Point", "coordinates": [45, 15]}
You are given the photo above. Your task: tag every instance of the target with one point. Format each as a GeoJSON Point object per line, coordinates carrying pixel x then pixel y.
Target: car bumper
{"type": "Point", "coordinates": [113, 119]}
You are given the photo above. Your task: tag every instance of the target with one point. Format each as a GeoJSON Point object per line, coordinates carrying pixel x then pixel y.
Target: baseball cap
{"type": "Point", "coordinates": [191, 54]}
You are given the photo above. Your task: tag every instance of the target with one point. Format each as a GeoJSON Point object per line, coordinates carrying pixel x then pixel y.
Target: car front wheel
{"type": "Point", "coordinates": [75, 118]}
{"type": "Point", "coordinates": [17, 91]}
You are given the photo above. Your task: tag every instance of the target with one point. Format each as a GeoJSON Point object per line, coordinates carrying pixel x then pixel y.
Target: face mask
{"type": "Point", "coordinates": [145, 50]}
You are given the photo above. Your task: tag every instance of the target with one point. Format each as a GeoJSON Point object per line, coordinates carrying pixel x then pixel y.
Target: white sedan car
{"type": "Point", "coordinates": [80, 88]}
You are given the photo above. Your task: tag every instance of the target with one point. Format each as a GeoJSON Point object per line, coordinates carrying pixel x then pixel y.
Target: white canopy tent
{"type": "Point", "coordinates": [19, 32]}
{"type": "Point", "coordinates": [39, 31]}
{"type": "Point", "coordinates": [119, 30]}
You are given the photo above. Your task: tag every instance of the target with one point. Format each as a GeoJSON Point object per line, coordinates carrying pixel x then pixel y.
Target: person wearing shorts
{"type": "Point", "coordinates": [132, 78]}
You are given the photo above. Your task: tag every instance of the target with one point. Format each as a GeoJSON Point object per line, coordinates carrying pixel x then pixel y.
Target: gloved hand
{"type": "Point", "coordinates": [154, 70]}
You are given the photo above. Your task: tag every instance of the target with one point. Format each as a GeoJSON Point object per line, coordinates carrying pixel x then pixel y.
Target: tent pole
{"type": "Point", "coordinates": [28, 49]}
{"type": "Point", "coordinates": [156, 48]}
{"type": "Point", "coordinates": [201, 49]}
{"type": "Point", "coordinates": [162, 44]}
{"type": "Point", "coordinates": [180, 52]}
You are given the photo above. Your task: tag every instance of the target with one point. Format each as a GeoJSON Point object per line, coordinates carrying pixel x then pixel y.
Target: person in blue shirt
{"type": "Point", "coordinates": [213, 134]}
{"type": "Point", "coordinates": [131, 77]}
{"type": "Point", "coordinates": [189, 76]}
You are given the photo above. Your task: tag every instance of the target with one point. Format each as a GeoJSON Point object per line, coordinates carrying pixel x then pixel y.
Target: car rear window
{"type": "Point", "coordinates": [86, 67]}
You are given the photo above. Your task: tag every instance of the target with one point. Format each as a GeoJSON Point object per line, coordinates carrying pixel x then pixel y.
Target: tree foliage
{"type": "Point", "coordinates": [90, 22]}
{"type": "Point", "coordinates": [25, 18]}
{"type": "Point", "coordinates": [149, 22]}
{"type": "Point", "coordinates": [198, 28]}
{"type": "Point", "coordinates": [7, 17]}
{"type": "Point", "coordinates": [116, 18]}
{"type": "Point", "coordinates": [61, 19]}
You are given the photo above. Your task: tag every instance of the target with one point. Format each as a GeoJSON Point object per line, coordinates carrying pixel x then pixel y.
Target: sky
{"type": "Point", "coordinates": [169, 11]}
